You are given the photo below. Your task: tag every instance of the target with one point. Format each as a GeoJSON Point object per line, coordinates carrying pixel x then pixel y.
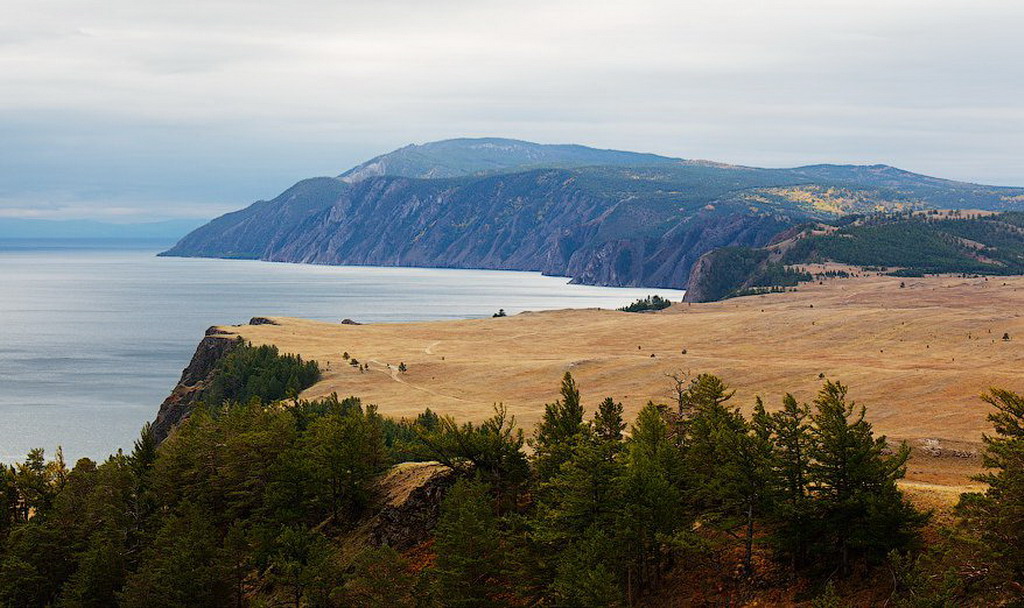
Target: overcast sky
{"type": "Point", "coordinates": [130, 110]}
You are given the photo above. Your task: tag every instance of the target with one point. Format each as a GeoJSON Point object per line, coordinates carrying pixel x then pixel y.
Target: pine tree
{"type": "Point", "coordinates": [493, 450]}
{"type": "Point", "coordinates": [707, 392]}
{"type": "Point", "coordinates": [707, 436]}
{"type": "Point", "coordinates": [345, 452]}
{"type": "Point", "coordinates": [999, 513]}
{"type": "Point", "coordinates": [10, 511]}
{"type": "Point", "coordinates": [562, 422]}
{"type": "Point", "coordinates": [651, 499]}
{"type": "Point", "coordinates": [585, 575]}
{"type": "Point", "coordinates": [582, 494]}
{"type": "Point", "coordinates": [300, 565]}
{"type": "Point", "coordinates": [467, 546]}
{"type": "Point", "coordinates": [581, 501]}
{"type": "Point", "coordinates": [382, 578]}
{"type": "Point", "coordinates": [744, 483]}
{"type": "Point", "coordinates": [182, 568]}
{"type": "Point", "coordinates": [789, 432]}
{"type": "Point", "coordinates": [608, 424]}
{"type": "Point", "coordinates": [858, 508]}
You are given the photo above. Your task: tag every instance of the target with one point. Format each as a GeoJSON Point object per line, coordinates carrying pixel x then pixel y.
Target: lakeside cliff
{"type": "Point", "coordinates": [600, 217]}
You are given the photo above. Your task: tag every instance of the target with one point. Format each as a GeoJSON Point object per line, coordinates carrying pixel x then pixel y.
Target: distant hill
{"type": "Point", "coordinates": [599, 216]}
{"type": "Point", "coordinates": [19, 228]}
{"type": "Point", "coordinates": [461, 157]}
{"type": "Point", "coordinates": [902, 244]}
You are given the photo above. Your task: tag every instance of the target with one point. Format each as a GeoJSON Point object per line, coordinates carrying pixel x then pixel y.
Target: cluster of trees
{"type": "Point", "coordinates": [238, 494]}
{"type": "Point", "coordinates": [257, 504]}
{"type": "Point", "coordinates": [609, 514]}
{"type": "Point", "coordinates": [654, 302]}
{"type": "Point", "coordinates": [261, 372]}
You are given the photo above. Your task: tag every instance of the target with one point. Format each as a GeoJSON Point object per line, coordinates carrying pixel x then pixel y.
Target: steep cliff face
{"type": "Point", "coordinates": [667, 261]}
{"type": "Point", "coordinates": [723, 271]}
{"type": "Point", "coordinates": [599, 216]}
{"type": "Point", "coordinates": [551, 221]}
{"type": "Point", "coordinates": [194, 380]}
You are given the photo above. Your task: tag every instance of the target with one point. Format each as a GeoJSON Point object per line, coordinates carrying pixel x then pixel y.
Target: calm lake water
{"type": "Point", "coordinates": [93, 336]}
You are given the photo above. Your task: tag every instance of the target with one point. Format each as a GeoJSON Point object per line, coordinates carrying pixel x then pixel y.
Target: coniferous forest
{"type": "Point", "coordinates": [256, 503]}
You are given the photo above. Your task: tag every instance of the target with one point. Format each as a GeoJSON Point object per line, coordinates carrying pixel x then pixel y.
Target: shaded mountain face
{"type": "Point", "coordinates": [600, 217]}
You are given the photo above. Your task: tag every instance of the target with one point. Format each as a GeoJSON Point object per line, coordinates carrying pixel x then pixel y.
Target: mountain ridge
{"type": "Point", "coordinates": [604, 217]}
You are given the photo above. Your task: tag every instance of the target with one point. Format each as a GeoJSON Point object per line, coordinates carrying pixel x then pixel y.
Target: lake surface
{"type": "Point", "coordinates": [94, 335]}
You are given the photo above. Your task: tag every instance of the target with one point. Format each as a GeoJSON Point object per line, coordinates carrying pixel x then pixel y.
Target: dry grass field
{"type": "Point", "coordinates": [917, 356]}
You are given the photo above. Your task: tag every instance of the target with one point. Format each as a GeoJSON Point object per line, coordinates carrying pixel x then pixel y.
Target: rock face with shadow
{"type": "Point", "coordinates": [410, 496]}
{"type": "Point", "coordinates": [601, 217]}
{"type": "Point", "coordinates": [194, 380]}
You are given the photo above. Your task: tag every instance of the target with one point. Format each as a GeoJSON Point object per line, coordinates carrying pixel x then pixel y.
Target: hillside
{"type": "Point", "coordinates": [914, 244]}
{"type": "Point", "coordinates": [917, 356]}
{"type": "Point", "coordinates": [461, 157]}
{"type": "Point", "coordinates": [601, 217]}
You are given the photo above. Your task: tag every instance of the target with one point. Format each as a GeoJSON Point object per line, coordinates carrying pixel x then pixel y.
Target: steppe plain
{"type": "Point", "coordinates": [917, 352]}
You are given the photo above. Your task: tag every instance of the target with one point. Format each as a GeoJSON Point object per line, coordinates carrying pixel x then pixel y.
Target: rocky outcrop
{"type": "Point", "coordinates": [410, 495]}
{"type": "Point", "coordinates": [194, 380]}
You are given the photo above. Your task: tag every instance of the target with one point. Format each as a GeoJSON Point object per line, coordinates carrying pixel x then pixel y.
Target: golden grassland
{"type": "Point", "coordinates": [917, 356]}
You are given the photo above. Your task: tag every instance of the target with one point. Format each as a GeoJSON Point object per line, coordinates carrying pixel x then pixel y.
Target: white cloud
{"type": "Point", "coordinates": [220, 102]}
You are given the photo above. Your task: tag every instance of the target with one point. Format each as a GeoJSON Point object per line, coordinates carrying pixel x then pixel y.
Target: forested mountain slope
{"type": "Point", "coordinates": [901, 244]}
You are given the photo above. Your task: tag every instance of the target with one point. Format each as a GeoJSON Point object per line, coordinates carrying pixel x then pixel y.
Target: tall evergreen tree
{"type": "Point", "coordinates": [707, 436]}
{"type": "Point", "coordinates": [998, 513]}
{"type": "Point", "coordinates": [345, 452]}
{"type": "Point", "coordinates": [182, 568]}
{"type": "Point", "coordinates": [744, 481]}
{"type": "Point", "coordinates": [586, 576]}
{"type": "Point", "coordinates": [651, 499]}
{"type": "Point", "coordinates": [562, 422]}
{"type": "Point", "coordinates": [382, 578]}
{"type": "Point", "coordinates": [492, 450]}
{"type": "Point", "coordinates": [790, 434]}
{"type": "Point", "coordinates": [10, 508]}
{"type": "Point", "coordinates": [608, 424]}
{"type": "Point", "coordinates": [859, 510]}
{"type": "Point", "coordinates": [467, 545]}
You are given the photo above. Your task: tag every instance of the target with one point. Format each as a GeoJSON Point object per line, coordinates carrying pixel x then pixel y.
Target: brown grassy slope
{"type": "Point", "coordinates": [917, 357]}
